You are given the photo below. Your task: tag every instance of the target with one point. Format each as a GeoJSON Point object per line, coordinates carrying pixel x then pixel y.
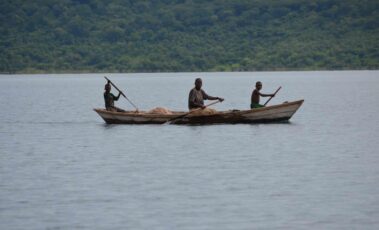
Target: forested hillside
{"type": "Point", "coordinates": [187, 35]}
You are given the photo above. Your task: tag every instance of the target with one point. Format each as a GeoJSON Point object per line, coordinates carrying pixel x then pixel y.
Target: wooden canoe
{"type": "Point", "coordinates": [274, 113]}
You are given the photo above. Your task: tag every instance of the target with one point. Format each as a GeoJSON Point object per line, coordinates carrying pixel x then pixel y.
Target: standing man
{"type": "Point", "coordinates": [255, 96]}
{"type": "Point", "coordinates": [109, 99]}
{"type": "Point", "coordinates": [197, 96]}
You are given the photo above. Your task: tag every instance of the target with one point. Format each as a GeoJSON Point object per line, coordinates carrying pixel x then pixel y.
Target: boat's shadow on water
{"type": "Point", "coordinates": [110, 126]}
{"type": "Point", "coordinates": [245, 124]}
{"type": "Point", "coordinates": [107, 126]}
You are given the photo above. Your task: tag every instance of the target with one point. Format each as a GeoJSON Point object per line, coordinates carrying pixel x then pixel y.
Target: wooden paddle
{"type": "Point", "coordinates": [272, 96]}
{"type": "Point", "coordinates": [121, 93]}
{"type": "Point", "coordinates": [194, 110]}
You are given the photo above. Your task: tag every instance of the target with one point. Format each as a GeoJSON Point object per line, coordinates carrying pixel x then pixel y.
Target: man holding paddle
{"type": "Point", "coordinates": [109, 99]}
{"type": "Point", "coordinates": [196, 102]}
{"type": "Point", "coordinates": [197, 96]}
{"type": "Point", "coordinates": [255, 96]}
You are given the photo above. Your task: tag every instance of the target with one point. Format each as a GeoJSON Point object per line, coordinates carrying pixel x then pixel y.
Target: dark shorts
{"type": "Point", "coordinates": [254, 106]}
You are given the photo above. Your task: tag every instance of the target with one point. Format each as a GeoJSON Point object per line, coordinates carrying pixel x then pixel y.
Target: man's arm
{"type": "Point", "coordinates": [116, 98]}
{"type": "Point", "coordinates": [266, 95]}
{"type": "Point", "coordinates": [207, 97]}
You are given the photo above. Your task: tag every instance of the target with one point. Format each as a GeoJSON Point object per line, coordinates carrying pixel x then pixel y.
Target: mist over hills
{"type": "Point", "coordinates": [187, 35]}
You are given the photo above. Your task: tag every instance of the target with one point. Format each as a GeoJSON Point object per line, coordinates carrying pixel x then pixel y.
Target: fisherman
{"type": "Point", "coordinates": [109, 99]}
{"type": "Point", "coordinates": [255, 96]}
{"type": "Point", "coordinates": [197, 96]}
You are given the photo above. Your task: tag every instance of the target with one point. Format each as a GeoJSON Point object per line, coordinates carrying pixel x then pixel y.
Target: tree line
{"type": "Point", "coordinates": [187, 35]}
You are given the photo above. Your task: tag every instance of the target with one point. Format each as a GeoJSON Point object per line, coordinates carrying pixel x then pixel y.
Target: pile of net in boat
{"type": "Point", "coordinates": [160, 110]}
{"type": "Point", "coordinates": [206, 111]}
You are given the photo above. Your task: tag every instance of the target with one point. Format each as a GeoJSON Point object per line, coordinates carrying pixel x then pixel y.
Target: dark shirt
{"type": "Point", "coordinates": [109, 99]}
{"type": "Point", "coordinates": [196, 98]}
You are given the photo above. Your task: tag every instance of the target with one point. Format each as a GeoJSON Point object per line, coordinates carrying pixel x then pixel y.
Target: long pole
{"type": "Point", "coordinates": [121, 93]}
{"type": "Point", "coordinates": [272, 96]}
{"type": "Point", "coordinates": [194, 110]}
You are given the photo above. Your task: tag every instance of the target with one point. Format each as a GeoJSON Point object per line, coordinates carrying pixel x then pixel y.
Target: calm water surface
{"type": "Point", "coordinates": [61, 167]}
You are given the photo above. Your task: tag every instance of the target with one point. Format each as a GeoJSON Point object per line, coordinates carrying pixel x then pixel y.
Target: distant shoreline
{"type": "Point", "coordinates": [82, 36]}
{"type": "Point", "coordinates": [116, 72]}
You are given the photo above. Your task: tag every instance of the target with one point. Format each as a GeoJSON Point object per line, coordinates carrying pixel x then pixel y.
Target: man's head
{"type": "Point", "coordinates": [258, 85]}
{"type": "Point", "coordinates": [107, 87]}
{"type": "Point", "coordinates": [198, 83]}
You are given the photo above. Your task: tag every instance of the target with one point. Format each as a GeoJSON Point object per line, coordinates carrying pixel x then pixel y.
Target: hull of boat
{"type": "Point", "coordinates": [275, 113]}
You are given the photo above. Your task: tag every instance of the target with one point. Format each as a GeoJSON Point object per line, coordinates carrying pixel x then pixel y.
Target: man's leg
{"type": "Point", "coordinates": [119, 110]}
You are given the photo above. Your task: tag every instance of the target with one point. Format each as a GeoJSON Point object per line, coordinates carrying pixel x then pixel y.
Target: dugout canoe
{"type": "Point", "coordinates": [275, 113]}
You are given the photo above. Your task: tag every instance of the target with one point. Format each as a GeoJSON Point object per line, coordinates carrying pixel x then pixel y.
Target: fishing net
{"type": "Point", "coordinates": [160, 110]}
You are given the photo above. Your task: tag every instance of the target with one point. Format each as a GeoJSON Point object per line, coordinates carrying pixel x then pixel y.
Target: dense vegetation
{"type": "Point", "coordinates": [187, 35]}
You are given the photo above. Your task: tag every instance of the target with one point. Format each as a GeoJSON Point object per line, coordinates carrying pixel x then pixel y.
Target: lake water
{"type": "Point", "coordinates": [61, 167]}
